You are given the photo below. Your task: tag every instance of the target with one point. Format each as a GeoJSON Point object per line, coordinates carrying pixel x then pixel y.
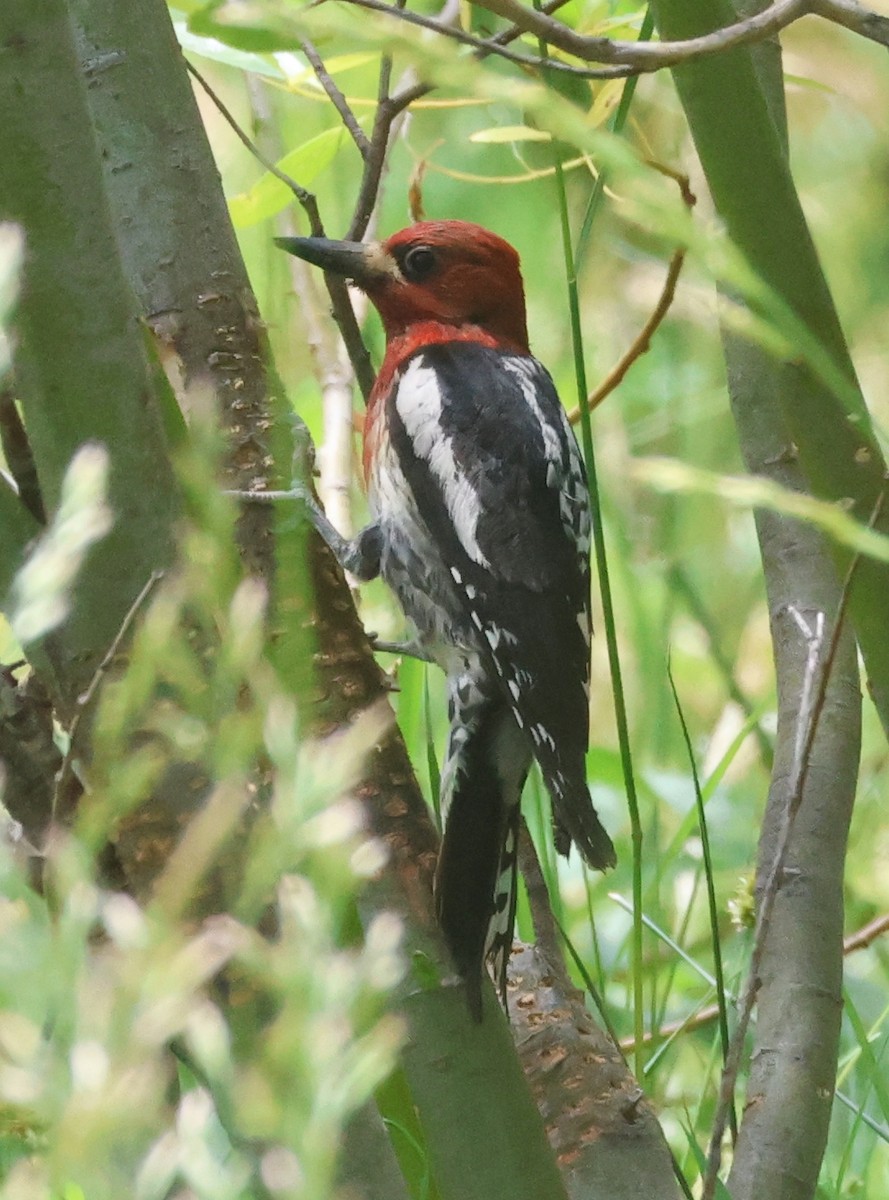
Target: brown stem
{"type": "Point", "coordinates": [635, 58]}
{"type": "Point", "coordinates": [642, 342]}
{"type": "Point", "coordinates": [343, 313]}
{"type": "Point", "coordinates": [336, 97]}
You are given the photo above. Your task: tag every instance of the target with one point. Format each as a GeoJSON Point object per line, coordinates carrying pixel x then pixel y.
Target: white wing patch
{"type": "Point", "coordinates": [419, 404]}
{"type": "Point", "coordinates": [526, 372]}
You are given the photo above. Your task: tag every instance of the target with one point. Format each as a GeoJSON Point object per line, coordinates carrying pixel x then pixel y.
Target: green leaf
{"type": "Point", "coordinates": [425, 971]}
{"type": "Point", "coordinates": [269, 195]}
{"type": "Point", "coordinates": [667, 475]}
{"type": "Point", "coordinates": [510, 133]}
{"type": "Point", "coordinates": [212, 48]}
{"type": "Point", "coordinates": [572, 87]}
{"type": "Point", "coordinates": [254, 32]}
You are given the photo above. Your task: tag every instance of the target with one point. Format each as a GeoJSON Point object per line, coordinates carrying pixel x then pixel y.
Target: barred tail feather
{"type": "Point", "coordinates": [575, 820]}
{"type": "Point", "coordinates": [484, 772]}
{"type": "Point", "coordinates": [502, 924]}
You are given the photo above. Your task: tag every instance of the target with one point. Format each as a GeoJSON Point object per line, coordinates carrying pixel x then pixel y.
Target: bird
{"type": "Point", "coordinates": [481, 527]}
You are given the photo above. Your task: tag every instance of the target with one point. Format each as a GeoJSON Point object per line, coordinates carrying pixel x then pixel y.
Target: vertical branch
{"type": "Point", "coordinates": [330, 360]}
{"type": "Point", "coordinates": [738, 101]}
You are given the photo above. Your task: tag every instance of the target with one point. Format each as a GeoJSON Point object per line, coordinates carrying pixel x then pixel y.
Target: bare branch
{"type": "Point", "coordinates": [635, 58]}
{"type": "Point", "coordinates": [496, 45]}
{"type": "Point", "coordinates": [331, 364]}
{"type": "Point", "coordinates": [852, 16]}
{"type": "Point", "coordinates": [389, 109]}
{"type": "Point", "coordinates": [861, 939]}
{"type": "Point", "coordinates": [343, 312]}
{"type": "Point", "coordinates": [336, 97]}
{"type": "Point", "coordinates": [642, 342]}
{"type": "Point", "coordinates": [306, 198]}
{"type": "Point", "coordinates": [646, 56]}
{"type": "Point", "coordinates": [59, 810]}
{"type": "Point", "coordinates": [818, 670]}
{"type": "Point", "coordinates": [864, 937]}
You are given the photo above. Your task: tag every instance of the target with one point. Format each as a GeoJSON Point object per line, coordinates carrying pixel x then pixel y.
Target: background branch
{"type": "Point", "coordinates": [798, 988]}
{"type": "Point", "coordinates": [634, 58]}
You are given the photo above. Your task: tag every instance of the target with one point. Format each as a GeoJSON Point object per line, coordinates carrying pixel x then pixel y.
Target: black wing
{"type": "Point", "coordinates": [498, 480]}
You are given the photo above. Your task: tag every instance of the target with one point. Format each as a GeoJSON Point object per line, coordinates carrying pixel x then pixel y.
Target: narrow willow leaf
{"type": "Point", "coordinates": [216, 51]}
{"type": "Point", "coordinates": [269, 195]}
{"type": "Point", "coordinates": [666, 475]}
{"type": "Point", "coordinates": [510, 133]}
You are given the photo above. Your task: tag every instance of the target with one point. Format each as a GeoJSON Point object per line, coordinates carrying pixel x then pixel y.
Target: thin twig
{"type": "Point", "coordinates": [336, 97]}
{"type": "Point", "coordinates": [327, 350]}
{"type": "Point", "coordinates": [343, 312]}
{"type": "Point", "coordinates": [811, 707]}
{"type": "Point", "coordinates": [864, 937]}
{"type": "Point", "coordinates": [85, 699]}
{"type": "Point", "coordinates": [642, 342]}
{"type": "Point", "coordinates": [635, 58]}
{"type": "Point", "coordinates": [510, 35]}
{"type": "Point", "coordinates": [306, 198]}
{"type": "Point", "coordinates": [861, 939]}
{"type": "Point", "coordinates": [389, 109]}
{"type": "Point", "coordinates": [496, 46]}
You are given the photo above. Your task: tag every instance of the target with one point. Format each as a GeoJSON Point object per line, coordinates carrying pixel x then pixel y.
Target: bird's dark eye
{"type": "Point", "coordinates": [418, 263]}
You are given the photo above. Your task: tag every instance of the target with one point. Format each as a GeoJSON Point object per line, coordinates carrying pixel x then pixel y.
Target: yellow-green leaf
{"type": "Point", "coordinates": [511, 133]}
{"type": "Point", "coordinates": [269, 195]}
{"type": "Point", "coordinates": [748, 491]}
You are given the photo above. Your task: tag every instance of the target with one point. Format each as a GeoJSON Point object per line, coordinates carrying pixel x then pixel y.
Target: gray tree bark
{"type": "Point", "coordinates": [793, 1065]}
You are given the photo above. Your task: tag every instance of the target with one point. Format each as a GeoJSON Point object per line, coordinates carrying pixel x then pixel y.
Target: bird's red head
{"type": "Point", "coordinates": [450, 273]}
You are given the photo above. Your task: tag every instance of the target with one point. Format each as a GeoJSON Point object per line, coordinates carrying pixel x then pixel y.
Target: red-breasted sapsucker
{"type": "Point", "coordinates": [482, 529]}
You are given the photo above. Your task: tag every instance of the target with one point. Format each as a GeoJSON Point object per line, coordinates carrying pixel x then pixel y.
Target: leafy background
{"type": "Point", "coordinates": [685, 568]}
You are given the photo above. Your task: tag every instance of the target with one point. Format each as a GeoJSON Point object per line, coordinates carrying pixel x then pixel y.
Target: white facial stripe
{"type": "Point", "coordinates": [419, 404]}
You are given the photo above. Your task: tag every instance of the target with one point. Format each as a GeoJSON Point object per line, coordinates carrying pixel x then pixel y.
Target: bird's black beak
{"type": "Point", "coordinates": [365, 263]}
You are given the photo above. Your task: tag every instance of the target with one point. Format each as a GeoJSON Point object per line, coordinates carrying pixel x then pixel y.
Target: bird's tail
{"type": "Point", "coordinates": [485, 768]}
{"type": "Point", "coordinates": [576, 820]}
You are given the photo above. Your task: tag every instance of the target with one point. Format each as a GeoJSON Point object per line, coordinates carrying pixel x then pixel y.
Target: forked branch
{"type": "Point", "coordinates": [623, 58]}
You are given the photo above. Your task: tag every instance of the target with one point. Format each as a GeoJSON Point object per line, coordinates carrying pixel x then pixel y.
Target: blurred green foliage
{"type": "Point", "coordinates": [280, 1039]}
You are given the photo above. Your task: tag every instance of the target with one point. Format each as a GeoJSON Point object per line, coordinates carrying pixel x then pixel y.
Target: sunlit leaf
{"type": "Point", "coordinates": [269, 195]}
{"type": "Point", "coordinates": [212, 48]}
{"type": "Point", "coordinates": [253, 31]}
{"type": "Point", "coordinates": [572, 87]}
{"type": "Point", "coordinates": [510, 133]}
{"type": "Point", "coordinates": [668, 475]}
